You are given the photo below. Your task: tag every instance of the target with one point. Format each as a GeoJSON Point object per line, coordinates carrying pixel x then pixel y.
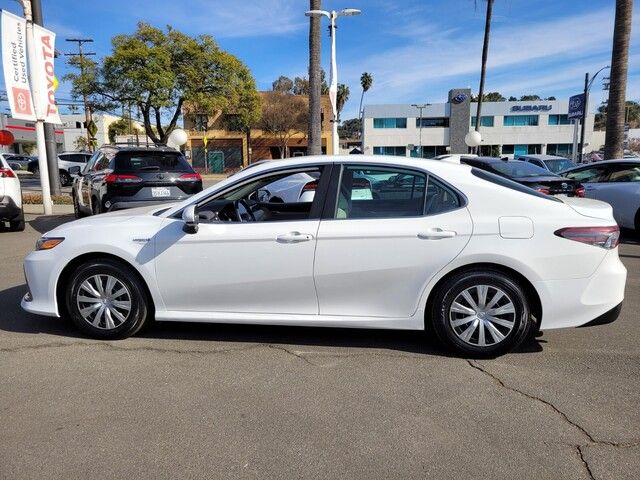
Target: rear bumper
{"type": "Point", "coordinates": [8, 208]}
{"type": "Point", "coordinates": [581, 301]}
{"type": "Point", "coordinates": [607, 317]}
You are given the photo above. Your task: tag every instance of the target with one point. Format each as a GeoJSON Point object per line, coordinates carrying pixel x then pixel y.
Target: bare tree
{"type": "Point", "coordinates": [283, 116]}
{"type": "Point", "coordinates": [614, 138]}
{"type": "Point", "coordinates": [314, 129]}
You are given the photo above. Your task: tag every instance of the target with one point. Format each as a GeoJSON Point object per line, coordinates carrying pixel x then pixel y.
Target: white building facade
{"type": "Point", "coordinates": [507, 128]}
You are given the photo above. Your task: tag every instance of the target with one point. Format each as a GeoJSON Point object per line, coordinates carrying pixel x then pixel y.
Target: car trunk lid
{"type": "Point", "coordinates": [590, 208]}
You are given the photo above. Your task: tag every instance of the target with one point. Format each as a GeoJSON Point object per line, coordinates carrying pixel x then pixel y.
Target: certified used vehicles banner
{"type": "Point", "coordinates": [14, 63]}
{"type": "Point", "coordinates": [22, 98]}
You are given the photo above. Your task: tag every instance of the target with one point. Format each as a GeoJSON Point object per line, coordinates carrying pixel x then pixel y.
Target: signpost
{"type": "Point", "coordinates": [575, 114]}
{"type": "Point", "coordinates": [27, 60]}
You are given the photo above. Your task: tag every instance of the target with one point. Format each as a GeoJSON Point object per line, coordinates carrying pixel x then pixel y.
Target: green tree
{"type": "Point", "coordinates": [618, 84]}
{"type": "Point", "coordinates": [122, 126]}
{"type": "Point", "coordinates": [282, 84]}
{"type": "Point", "coordinates": [489, 97]}
{"type": "Point", "coordinates": [350, 128]}
{"type": "Point", "coordinates": [342, 97]}
{"type": "Point", "coordinates": [81, 144]}
{"type": "Point", "coordinates": [513, 99]}
{"type": "Point", "coordinates": [529, 98]}
{"type": "Point", "coordinates": [164, 73]}
{"type": "Point", "coordinates": [366, 81]}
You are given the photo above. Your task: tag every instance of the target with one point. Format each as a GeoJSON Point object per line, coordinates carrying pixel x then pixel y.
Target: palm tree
{"type": "Point", "coordinates": [341, 97]}
{"type": "Point", "coordinates": [483, 70]}
{"type": "Point", "coordinates": [314, 133]}
{"type": "Point", "coordinates": [613, 145]}
{"type": "Point", "coordinates": [366, 80]}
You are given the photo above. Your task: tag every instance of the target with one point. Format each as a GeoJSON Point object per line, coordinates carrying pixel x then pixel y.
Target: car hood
{"type": "Point", "coordinates": [105, 220]}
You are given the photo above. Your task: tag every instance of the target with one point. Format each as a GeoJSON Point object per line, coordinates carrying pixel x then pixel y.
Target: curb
{"type": "Point", "coordinates": [38, 209]}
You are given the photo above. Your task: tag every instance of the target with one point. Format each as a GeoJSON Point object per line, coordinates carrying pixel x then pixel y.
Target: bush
{"type": "Point", "coordinates": [33, 198]}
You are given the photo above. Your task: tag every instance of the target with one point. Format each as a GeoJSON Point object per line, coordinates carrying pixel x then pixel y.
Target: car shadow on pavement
{"type": "Point", "coordinates": [44, 223]}
{"type": "Point", "coordinates": [14, 319]}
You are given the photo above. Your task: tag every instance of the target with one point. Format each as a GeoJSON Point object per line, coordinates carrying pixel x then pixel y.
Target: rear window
{"type": "Point", "coordinates": [152, 162]}
{"type": "Point", "coordinates": [505, 182]}
{"type": "Point", "coordinates": [519, 169]}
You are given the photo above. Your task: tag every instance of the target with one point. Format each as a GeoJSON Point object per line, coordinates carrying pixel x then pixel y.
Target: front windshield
{"type": "Point", "coordinates": [518, 169]}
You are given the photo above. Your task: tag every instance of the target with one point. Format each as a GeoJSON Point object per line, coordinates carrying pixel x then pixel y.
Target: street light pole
{"type": "Point", "coordinates": [420, 107]}
{"type": "Point", "coordinates": [587, 88]}
{"type": "Point", "coordinates": [333, 84]}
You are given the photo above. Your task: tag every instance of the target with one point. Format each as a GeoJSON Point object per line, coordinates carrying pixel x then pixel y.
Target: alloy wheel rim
{"type": "Point", "coordinates": [104, 301]}
{"type": "Point", "coordinates": [482, 315]}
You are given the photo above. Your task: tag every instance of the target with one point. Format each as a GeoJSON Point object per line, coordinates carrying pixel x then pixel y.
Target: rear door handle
{"type": "Point", "coordinates": [294, 237]}
{"type": "Point", "coordinates": [436, 234]}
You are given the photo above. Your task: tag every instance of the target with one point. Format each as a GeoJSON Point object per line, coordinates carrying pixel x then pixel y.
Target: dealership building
{"type": "Point", "coordinates": [507, 128]}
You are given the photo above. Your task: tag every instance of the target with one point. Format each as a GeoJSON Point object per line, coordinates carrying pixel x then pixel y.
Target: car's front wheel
{"type": "Point", "coordinates": [481, 313]}
{"type": "Point", "coordinates": [106, 300]}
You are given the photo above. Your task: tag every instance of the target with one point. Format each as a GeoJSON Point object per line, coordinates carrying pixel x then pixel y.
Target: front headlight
{"type": "Point", "coordinates": [47, 243]}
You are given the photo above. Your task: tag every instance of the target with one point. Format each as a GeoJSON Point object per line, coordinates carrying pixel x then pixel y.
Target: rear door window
{"type": "Point", "coordinates": [151, 162]}
{"type": "Point", "coordinates": [593, 174]}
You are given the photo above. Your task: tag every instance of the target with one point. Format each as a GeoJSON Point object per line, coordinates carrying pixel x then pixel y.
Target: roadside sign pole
{"type": "Point", "coordinates": [574, 152]}
{"type": "Point", "coordinates": [584, 115]}
{"type": "Point", "coordinates": [40, 139]}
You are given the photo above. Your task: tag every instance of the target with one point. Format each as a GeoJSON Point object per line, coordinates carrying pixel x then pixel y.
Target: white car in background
{"type": "Point", "coordinates": [11, 213]}
{"type": "Point", "coordinates": [480, 259]}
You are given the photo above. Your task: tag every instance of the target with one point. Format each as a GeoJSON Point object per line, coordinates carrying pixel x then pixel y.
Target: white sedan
{"type": "Point", "coordinates": [482, 260]}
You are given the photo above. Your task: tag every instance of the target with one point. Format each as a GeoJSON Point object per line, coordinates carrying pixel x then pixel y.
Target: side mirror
{"type": "Point", "coordinates": [190, 219]}
{"type": "Point", "coordinates": [75, 171]}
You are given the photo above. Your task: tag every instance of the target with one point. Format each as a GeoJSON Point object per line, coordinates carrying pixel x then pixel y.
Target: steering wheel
{"type": "Point", "coordinates": [236, 207]}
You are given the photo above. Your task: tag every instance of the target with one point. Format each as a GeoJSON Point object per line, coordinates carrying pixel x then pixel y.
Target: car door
{"type": "Point", "coordinates": [592, 178]}
{"type": "Point", "coordinates": [85, 182]}
{"type": "Point", "coordinates": [375, 253]}
{"type": "Point", "coordinates": [621, 190]}
{"type": "Point", "coordinates": [263, 266]}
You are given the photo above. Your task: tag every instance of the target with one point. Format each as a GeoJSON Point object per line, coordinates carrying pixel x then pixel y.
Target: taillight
{"type": "Point", "coordinates": [7, 173]}
{"type": "Point", "coordinates": [605, 237]}
{"type": "Point", "coordinates": [189, 177]}
{"type": "Point", "coordinates": [310, 186]}
{"type": "Point", "coordinates": [544, 190]}
{"type": "Point", "coordinates": [113, 178]}
{"type": "Point", "coordinates": [579, 191]}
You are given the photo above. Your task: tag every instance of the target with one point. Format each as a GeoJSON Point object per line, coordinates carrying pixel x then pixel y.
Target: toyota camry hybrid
{"type": "Point", "coordinates": [384, 242]}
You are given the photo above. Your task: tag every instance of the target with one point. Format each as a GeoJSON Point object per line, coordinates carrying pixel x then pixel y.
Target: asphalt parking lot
{"type": "Point", "coordinates": [215, 401]}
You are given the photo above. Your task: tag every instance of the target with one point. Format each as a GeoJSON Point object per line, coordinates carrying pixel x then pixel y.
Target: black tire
{"type": "Point", "coordinates": [140, 305]}
{"type": "Point", "coordinates": [96, 208]}
{"type": "Point", "coordinates": [65, 178]}
{"type": "Point", "coordinates": [18, 224]}
{"type": "Point", "coordinates": [36, 171]}
{"type": "Point", "coordinates": [453, 287]}
{"type": "Point", "coordinates": [637, 223]}
{"type": "Point", "coordinates": [76, 207]}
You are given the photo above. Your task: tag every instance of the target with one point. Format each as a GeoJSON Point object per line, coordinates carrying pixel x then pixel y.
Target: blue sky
{"type": "Point", "coordinates": [416, 49]}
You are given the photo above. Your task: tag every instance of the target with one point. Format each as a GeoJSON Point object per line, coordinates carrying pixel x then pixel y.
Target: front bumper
{"type": "Point", "coordinates": [8, 208]}
{"type": "Point", "coordinates": [580, 301]}
{"type": "Point", "coordinates": [41, 296]}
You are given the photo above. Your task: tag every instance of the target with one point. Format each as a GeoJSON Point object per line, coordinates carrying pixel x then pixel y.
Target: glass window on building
{"type": "Point", "coordinates": [395, 151]}
{"type": "Point", "coordinates": [432, 122]}
{"type": "Point", "coordinates": [517, 150]}
{"type": "Point", "coordinates": [560, 149]}
{"type": "Point", "coordinates": [484, 121]}
{"type": "Point", "coordinates": [390, 123]}
{"type": "Point", "coordinates": [429, 151]}
{"type": "Point", "coordinates": [559, 120]}
{"type": "Point", "coordinates": [520, 120]}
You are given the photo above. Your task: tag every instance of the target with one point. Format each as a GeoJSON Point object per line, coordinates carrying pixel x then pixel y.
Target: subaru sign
{"type": "Point", "coordinates": [459, 98]}
{"type": "Point", "coordinates": [531, 108]}
{"type": "Point", "coordinates": [576, 106]}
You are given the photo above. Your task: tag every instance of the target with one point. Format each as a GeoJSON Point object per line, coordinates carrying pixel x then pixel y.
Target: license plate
{"type": "Point", "coordinates": [160, 192]}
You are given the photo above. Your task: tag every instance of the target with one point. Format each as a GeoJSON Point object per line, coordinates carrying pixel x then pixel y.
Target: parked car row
{"type": "Point", "coordinates": [65, 162]}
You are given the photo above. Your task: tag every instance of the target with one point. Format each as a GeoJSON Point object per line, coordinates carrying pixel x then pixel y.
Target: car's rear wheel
{"type": "Point", "coordinates": [481, 313]}
{"type": "Point", "coordinates": [65, 178]}
{"type": "Point", "coordinates": [106, 300]}
{"type": "Point", "coordinates": [76, 207]}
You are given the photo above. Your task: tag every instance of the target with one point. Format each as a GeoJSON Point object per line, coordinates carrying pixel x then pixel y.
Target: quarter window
{"type": "Point", "coordinates": [625, 173]}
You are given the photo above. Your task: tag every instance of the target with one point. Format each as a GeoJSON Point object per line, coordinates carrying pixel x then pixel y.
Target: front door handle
{"type": "Point", "coordinates": [294, 237]}
{"type": "Point", "coordinates": [436, 234]}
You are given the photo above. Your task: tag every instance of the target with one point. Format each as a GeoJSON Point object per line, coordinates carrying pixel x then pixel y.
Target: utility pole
{"type": "Point", "coordinates": [81, 54]}
{"type": "Point", "coordinates": [420, 107]}
{"type": "Point", "coordinates": [49, 129]}
{"type": "Point", "coordinates": [587, 88]}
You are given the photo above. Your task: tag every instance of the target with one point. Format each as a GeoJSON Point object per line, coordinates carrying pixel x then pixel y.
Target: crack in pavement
{"type": "Point", "coordinates": [591, 441]}
{"type": "Point", "coordinates": [584, 462]}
